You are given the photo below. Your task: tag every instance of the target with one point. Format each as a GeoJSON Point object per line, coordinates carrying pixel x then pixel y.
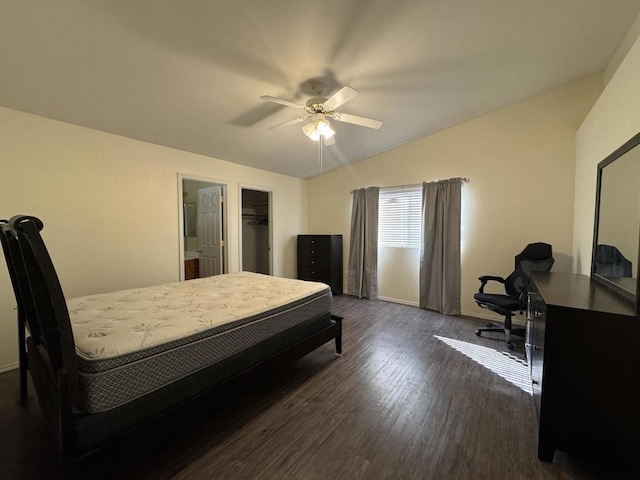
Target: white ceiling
{"type": "Point", "coordinates": [189, 74]}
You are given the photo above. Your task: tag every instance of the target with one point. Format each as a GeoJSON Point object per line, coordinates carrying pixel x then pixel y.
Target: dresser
{"type": "Point", "coordinates": [320, 260]}
{"type": "Point", "coordinates": [582, 346]}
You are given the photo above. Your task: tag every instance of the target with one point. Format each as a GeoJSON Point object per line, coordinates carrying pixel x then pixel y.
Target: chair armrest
{"type": "Point", "coordinates": [487, 278]}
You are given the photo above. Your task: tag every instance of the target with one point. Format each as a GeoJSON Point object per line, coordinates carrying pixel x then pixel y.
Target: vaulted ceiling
{"type": "Point", "coordinates": [189, 74]}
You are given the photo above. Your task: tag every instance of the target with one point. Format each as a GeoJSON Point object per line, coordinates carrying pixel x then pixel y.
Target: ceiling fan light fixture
{"type": "Point", "coordinates": [310, 131]}
{"type": "Point", "coordinates": [318, 128]}
{"type": "Point", "coordinates": [319, 109]}
{"type": "Point", "coordinates": [325, 129]}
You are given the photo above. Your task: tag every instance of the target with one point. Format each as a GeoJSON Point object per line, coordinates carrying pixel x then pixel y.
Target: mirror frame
{"type": "Point", "coordinates": [628, 295]}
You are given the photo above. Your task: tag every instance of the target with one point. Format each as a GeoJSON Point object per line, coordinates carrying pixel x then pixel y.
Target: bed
{"type": "Point", "coordinates": [105, 365]}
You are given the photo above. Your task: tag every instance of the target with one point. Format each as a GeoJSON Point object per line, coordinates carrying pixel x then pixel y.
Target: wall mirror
{"type": "Point", "coordinates": [614, 261]}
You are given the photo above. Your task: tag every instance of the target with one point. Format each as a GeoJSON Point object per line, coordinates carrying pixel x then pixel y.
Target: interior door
{"type": "Point", "coordinates": [209, 231]}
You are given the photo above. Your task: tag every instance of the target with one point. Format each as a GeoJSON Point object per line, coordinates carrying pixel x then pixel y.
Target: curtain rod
{"type": "Point", "coordinates": [463, 179]}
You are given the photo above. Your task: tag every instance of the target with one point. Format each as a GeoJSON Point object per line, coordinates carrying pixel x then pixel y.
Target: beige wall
{"type": "Point", "coordinates": [520, 161]}
{"type": "Point", "coordinates": [613, 120]}
{"type": "Point", "coordinates": [111, 210]}
{"type": "Point", "coordinates": [394, 287]}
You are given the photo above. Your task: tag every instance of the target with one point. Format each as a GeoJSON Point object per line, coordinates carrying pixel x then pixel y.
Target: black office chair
{"type": "Point", "coordinates": [536, 257]}
{"type": "Point", "coordinates": [610, 262]}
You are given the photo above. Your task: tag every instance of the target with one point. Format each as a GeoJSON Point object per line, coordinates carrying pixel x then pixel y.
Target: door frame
{"type": "Point", "coordinates": [225, 189]}
{"type": "Point", "coordinates": [269, 191]}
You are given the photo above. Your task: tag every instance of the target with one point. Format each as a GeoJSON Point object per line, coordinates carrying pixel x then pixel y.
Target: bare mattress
{"type": "Point", "coordinates": [132, 342]}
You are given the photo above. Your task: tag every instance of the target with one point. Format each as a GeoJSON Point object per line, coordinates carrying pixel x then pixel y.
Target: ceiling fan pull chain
{"type": "Point", "coordinates": [320, 155]}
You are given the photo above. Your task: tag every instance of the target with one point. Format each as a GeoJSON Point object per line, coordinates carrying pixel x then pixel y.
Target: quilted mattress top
{"type": "Point", "coordinates": [118, 323]}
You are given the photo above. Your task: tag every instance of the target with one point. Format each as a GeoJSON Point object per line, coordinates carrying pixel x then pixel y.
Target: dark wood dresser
{"type": "Point", "coordinates": [320, 260]}
{"type": "Point", "coordinates": [191, 268]}
{"type": "Point", "coordinates": [582, 346]}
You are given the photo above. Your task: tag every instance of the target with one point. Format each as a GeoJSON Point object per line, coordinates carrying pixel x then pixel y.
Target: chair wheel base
{"type": "Point", "coordinates": [494, 328]}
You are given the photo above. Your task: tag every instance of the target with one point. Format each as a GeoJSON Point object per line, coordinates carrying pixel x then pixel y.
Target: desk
{"type": "Point", "coordinates": [582, 346]}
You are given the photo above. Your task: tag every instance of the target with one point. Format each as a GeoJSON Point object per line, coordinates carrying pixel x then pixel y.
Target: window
{"type": "Point", "coordinates": [399, 216]}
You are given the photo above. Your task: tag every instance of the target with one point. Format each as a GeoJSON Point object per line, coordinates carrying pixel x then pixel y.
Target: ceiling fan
{"type": "Point", "coordinates": [320, 109]}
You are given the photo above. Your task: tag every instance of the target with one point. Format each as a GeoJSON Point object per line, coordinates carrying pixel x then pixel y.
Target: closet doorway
{"type": "Point", "coordinates": [256, 230]}
{"type": "Point", "coordinates": [203, 221]}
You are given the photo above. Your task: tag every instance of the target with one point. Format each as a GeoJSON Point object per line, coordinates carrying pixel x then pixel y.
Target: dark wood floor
{"type": "Point", "coordinates": [398, 404]}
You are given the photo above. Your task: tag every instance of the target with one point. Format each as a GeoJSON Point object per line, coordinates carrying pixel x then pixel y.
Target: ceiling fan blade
{"type": "Point", "coordinates": [356, 120]}
{"type": "Point", "coordinates": [293, 121]}
{"type": "Point", "coordinates": [341, 97]}
{"type": "Point", "coordinates": [329, 141]}
{"type": "Point", "coordinates": [282, 101]}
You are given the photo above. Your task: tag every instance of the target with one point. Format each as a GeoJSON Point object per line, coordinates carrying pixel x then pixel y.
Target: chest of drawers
{"type": "Point", "coordinates": [583, 357]}
{"type": "Point", "coordinates": [320, 260]}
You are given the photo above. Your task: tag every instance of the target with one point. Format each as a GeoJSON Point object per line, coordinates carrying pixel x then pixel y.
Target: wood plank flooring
{"type": "Point", "coordinates": [398, 404]}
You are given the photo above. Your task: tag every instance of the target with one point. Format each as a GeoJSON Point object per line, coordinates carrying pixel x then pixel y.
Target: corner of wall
{"type": "Point", "coordinates": [613, 120]}
{"type": "Point", "coordinates": [622, 51]}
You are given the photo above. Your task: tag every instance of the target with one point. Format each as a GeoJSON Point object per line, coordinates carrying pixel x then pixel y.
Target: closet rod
{"type": "Point", "coordinates": [464, 180]}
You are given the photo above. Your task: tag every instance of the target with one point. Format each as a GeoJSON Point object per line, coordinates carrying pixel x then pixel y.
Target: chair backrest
{"type": "Point", "coordinates": [48, 302]}
{"type": "Point", "coordinates": [536, 257]}
{"type": "Point", "coordinates": [610, 262]}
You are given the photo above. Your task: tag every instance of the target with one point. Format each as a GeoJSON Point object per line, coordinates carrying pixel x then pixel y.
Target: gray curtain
{"type": "Point", "coordinates": [362, 273]}
{"type": "Point", "coordinates": [440, 252]}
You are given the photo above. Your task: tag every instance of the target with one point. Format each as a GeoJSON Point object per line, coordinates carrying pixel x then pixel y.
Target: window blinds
{"type": "Point", "coordinates": [399, 216]}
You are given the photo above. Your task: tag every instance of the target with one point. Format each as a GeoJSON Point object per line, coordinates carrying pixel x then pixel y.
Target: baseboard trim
{"type": "Point", "coordinates": [8, 367]}
{"type": "Point", "coordinates": [397, 300]}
